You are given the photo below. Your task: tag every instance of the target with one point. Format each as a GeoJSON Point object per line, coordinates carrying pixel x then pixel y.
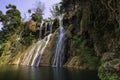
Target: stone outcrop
{"type": "Point", "coordinates": [32, 25]}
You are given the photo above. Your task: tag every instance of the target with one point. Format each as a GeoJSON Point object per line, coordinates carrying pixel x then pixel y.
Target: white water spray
{"type": "Point", "coordinates": [58, 57]}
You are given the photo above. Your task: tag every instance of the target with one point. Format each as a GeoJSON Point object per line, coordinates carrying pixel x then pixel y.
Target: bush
{"type": "Point", "coordinates": [105, 75]}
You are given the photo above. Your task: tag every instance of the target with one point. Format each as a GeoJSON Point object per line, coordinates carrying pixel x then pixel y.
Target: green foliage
{"type": "Point", "coordinates": [56, 23]}
{"type": "Point", "coordinates": [1, 14]}
{"type": "Point", "coordinates": [2, 45]}
{"type": "Point", "coordinates": [78, 41]}
{"type": "Point", "coordinates": [118, 46]}
{"type": "Point", "coordinates": [36, 12]}
{"type": "Point", "coordinates": [29, 38]}
{"type": "Point", "coordinates": [39, 8]}
{"type": "Point", "coordinates": [89, 56]}
{"type": "Point", "coordinates": [12, 19]}
{"type": "Point", "coordinates": [86, 53]}
{"type": "Point", "coordinates": [11, 6]}
{"type": "Point", "coordinates": [4, 59]}
{"type": "Point", "coordinates": [36, 17]}
{"type": "Point", "coordinates": [12, 28]}
{"type": "Point", "coordinates": [102, 61]}
{"type": "Point", "coordinates": [104, 75]}
{"type": "Point", "coordinates": [56, 10]}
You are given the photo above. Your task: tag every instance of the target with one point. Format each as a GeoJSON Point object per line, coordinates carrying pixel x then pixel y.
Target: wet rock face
{"type": "Point", "coordinates": [100, 19]}
{"type": "Point", "coordinates": [47, 57]}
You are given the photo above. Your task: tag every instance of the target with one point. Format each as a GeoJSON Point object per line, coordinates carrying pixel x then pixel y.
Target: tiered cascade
{"type": "Point", "coordinates": [37, 52]}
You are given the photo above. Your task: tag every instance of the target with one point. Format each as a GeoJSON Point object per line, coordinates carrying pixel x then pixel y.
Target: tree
{"type": "Point", "coordinates": [56, 9]}
{"type": "Point", "coordinates": [36, 17]}
{"type": "Point", "coordinates": [12, 19]}
{"type": "Point", "coordinates": [37, 11]}
{"type": "Point", "coordinates": [39, 8]}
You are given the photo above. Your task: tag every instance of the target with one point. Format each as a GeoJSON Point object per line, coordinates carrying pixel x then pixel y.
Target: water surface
{"type": "Point", "coordinates": [12, 72]}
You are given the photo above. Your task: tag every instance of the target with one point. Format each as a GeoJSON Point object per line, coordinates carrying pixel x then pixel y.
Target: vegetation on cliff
{"type": "Point", "coordinates": [93, 34]}
{"type": "Point", "coordinates": [16, 34]}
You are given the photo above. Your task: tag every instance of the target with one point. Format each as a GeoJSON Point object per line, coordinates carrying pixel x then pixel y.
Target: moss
{"type": "Point", "coordinates": [69, 31]}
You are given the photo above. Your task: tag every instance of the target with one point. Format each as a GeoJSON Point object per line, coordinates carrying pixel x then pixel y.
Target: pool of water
{"type": "Point", "coordinates": [13, 72]}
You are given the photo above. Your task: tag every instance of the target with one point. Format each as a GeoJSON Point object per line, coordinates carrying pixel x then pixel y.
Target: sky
{"type": "Point", "coordinates": [24, 5]}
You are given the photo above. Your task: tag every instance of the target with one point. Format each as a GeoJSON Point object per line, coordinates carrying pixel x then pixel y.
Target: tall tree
{"type": "Point", "coordinates": [37, 11]}
{"type": "Point", "coordinates": [55, 11]}
{"type": "Point", "coordinates": [12, 19]}
{"type": "Point", "coordinates": [39, 8]}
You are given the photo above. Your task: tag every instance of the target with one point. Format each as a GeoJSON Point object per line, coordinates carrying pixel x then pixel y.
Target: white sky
{"type": "Point", "coordinates": [24, 5]}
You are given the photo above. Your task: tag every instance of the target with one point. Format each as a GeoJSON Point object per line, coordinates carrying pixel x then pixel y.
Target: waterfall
{"type": "Point", "coordinates": [27, 59]}
{"type": "Point", "coordinates": [51, 26]}
{"type": "Point", "coordinates": [59, 48]}
{"type": "Point", "coordinates": [40, 35]}
{"type": "Point", "coordinates": [46, 26]}
{"type": "Point", "coordinates": [34, 55]}
{"type": "Point", "coordinates": [58, 57]}
{"type": "Point", "coordinates": [40, 51]}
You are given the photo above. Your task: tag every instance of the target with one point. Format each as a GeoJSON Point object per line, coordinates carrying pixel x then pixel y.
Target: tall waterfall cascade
{"type": "Point", "coordinates": [40, 50]}
{"type": "Point", "coordinates": [59, 48]}
{"type": "Point", "coordinates": [51, 26]}
{"type": "Point", "coordinates": [46, 27]}
{"type": "Point", "coordinates": [34, 56]}
{"type": "Point", "coordinates": [40, 30]}
{"type": "Point", "coordinates": [59, 52]}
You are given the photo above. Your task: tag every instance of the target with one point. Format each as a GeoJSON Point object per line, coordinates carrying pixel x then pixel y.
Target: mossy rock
{"type": "Point", "coordinates": [69, 31]}
{"type": "Point", "coordinates": [110, 70]}
{"type": "Point", "coordinates": [4, 59]}
{"type": "Point", "coordinates": [76, 62]}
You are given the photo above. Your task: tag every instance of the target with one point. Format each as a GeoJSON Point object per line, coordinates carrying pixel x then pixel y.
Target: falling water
{"type": "Point", "coordinates": [27, 59]}
{"type": "Point", "coordinates": [46, 26]}
{"type": "Point", "coordinates": [40, 35]}
{"type": "Point", "coordinates": [51, 26]}
{"type": "Point", "coordinates": [40, 51]}
{"type": "Point", "coordinates": [34, 55]}
{"type": "Point", "coordinates": [60, 46]}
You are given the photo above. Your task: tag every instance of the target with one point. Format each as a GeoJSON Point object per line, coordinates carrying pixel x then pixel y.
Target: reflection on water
{"type": "Point", "coordinates": [8, 72]}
